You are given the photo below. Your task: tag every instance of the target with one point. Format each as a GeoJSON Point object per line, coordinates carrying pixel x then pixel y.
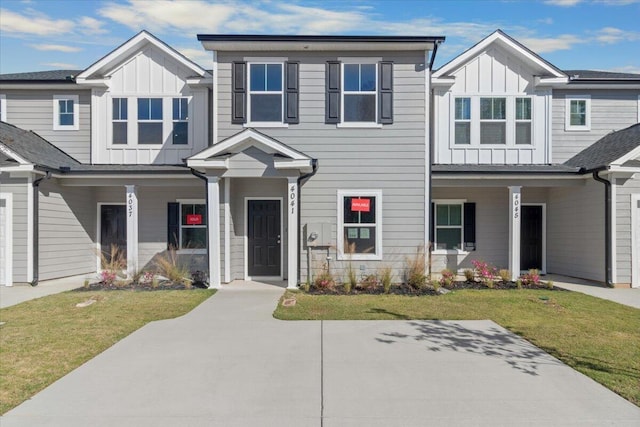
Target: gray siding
{"type": "Point", "coordinates": [67, 230]}
{"type": "Point", "coordinates": [33, 110]}
{"type": "Point", "coordinates": [18, 187]}
{"type": "Point", "coordinates": [576, 231]}
{"type": "Point", "coordinates": [624, 190]}
{"type": "Point", "coordinates": [610, 110]}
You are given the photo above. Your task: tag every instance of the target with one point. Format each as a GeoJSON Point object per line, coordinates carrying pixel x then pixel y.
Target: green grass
{"type": "Point", "coordinates": [44, 339]}
{"type": "Point", "coordinates": [598, 338]}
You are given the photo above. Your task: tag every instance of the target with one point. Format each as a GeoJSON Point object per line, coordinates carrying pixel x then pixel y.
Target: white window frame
{"type": "Point", "coordinates": [638, 109]}
{"type": "Point", "coordinates": [113, 120]}
{"type": "Point", "coordinates": [265, 61]}
{"type": "Point", "coordinates": [56, 112]}
{"type": "Point", "coordinates": [161, 120]}
{"type": "Point", "coordinates": [3, 107]}
{"type": "Point", "coordinates": [456, 121]}
{"type": "Point", "coordinates": [343, 92]}
{"type": "Point", "coordinates": [187, 121]}
{"type": "Point", "coordinates": [505, 120]}
{"type": "Point", "coordinates": [437, 202]}
{"type": "Point", "coordinates": [567, 113]}
{"type": "Point", "coordinates": [516, 121]}
{"type": "Point", "coordinates": [190, 251]}
{"type": "Point", "coordinates": [377, 225]}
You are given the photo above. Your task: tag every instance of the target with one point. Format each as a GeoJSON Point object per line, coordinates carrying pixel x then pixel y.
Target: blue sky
{"type": "Point", "coordinates": [571, 34]}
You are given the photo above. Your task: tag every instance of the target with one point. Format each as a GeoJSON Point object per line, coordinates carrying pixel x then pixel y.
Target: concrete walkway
{"type": "Point", "coordinates": [229, 363]}
{"type": "Point", "coordinates": [628, 296]}
{"type": "Point", "coordinates": [12, 295]}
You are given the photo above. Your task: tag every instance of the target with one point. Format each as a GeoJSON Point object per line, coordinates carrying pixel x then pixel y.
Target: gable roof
{"type": "Point", "coordinates": [615, 148]}
{"type": "Point", "coordinates": [134, 44]}
{"type": "Point", "coordinates": [508, 43]}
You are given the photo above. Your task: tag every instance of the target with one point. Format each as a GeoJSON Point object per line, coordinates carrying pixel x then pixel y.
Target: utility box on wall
{"type": "Point", "coordinates": [317, 235]}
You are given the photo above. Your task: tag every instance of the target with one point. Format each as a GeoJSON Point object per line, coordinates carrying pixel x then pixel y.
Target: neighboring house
{"type": "Point", "coordinates": [300, 153]}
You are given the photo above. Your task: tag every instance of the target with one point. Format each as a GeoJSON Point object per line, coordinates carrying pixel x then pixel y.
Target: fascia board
{"type": "Point", "coordinates": [9, 152]}
{"type": "Point", "coordinates": [633, 154]}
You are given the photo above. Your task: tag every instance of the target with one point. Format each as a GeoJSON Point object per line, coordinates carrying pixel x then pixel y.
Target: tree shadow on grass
{"type": "Point", "coordinates": [493, 342]}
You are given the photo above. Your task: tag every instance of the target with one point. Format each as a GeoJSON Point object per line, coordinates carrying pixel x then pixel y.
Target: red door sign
{"type": "Point", "coordinates": [194, 219]}
{"type": "Point", "coordinates": [360, 205]}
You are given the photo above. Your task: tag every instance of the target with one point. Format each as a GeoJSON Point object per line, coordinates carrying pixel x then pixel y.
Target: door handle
{"type": "Point", "coordinates": [278, 239]}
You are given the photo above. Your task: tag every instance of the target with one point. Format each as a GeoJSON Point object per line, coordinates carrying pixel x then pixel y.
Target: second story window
{"type": "Point", "coordinates": [119, 117]}
{"type": "Point", "coordinates": [578, 112]}
{"type": "Point", "coordinates": [65, 114]}
{"type": "Point", "coordinates": [493, 121]}
{"type": "Point", "coordinates": [265, 92]}
{"type": "Point", "coordinates": [3, 108]}
{"type": "Point", "coordinates": [463, 121]}
{"type": "Point", "coordinates": [523, 120]}
{"type": "Point", "coordinates": [150, 121]}
{"type": "Point", "coordinates": [180, 133]}
{"type": "Point", "coordinates": [360, 93]}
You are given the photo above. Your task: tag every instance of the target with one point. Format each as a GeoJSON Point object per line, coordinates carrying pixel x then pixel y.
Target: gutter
{"type": "Point", "coordinates": [314, 166]}
{"type": "Point", "coordinates": [607, 226]}
{"type": "Point", "coordinates": [433, 53]}
{"type": "Point", "coordinates": [36, 225]}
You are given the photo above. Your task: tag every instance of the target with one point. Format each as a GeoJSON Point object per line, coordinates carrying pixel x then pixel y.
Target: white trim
{"type": "Point", "coordinates": [370, 125]}
{"type": "Point", "coordinates": [515, 214]}
{"type": "Point", "coordinates": [459, 202]}
{"type": "Point", "coordinates": [3, 107]}
{"type": "Point", "coordinates": [567, 113]}
{"type": "Point", "coordinates": [638, 109]}
{"type": "Point", "coordinates": [281, 92]}
{"type": "Point", "coordinates": [8, 238]}
{"type": "Point", "coordinates": [56, 112]}
{"type": "Point", "coordinates": [427, 151]}
{"type": "Point", "coordinates": [635, 256]}
{"type": "Point", "coordinates": [214, 100]}
{"type": "Point", "coordinates": [99, 230]}
{"type": "Point", "coordinates": [131, 215]}
{"type": "Point", "coordinates": [9, 152]}
{"type": "Point", "coordinates": [614, 227]}
{"type": "Point", "coordinates": [622, 160]}
{"type": "Point", "coordinates": [227, 230]}
{"type": "Point", "coordinates": [189, 251]}
{"type": "Point", "coordinates": [292, 207]}
{"type": "Point", "coordinates": [264, 124]}
{"type": "Point", "coordinates": [341, 194]}
{"type": "Point", "coordinates": [30, 214]}
{"type": "Point", "coordinates": [246, 238]}
{"type": "Point", "coordinates": [344, 92]}
{"type": "Point", "coordinates": [543, 267]}
{"type": "Point", "coordinates": [213, 230]}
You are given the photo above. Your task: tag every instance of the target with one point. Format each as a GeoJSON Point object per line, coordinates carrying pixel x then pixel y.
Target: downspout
{"type": "Point", "coordinates": [36, 225]}
{"type": "Point", "coordinates": [206, 202]}
{"type": "Point", "coordinates": [607, 228]}
{"type": "Point", "coordinates": [314, 165]}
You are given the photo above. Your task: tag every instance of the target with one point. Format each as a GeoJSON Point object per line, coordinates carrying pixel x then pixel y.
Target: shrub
{"type": "Point", "coordinates": [324, 280]}
{"type": "Point", "coordinates": [505, 275]}
{"type": "Point", "coordinates": [435, 285]}
{"type": "Point", "coordinates": [369, 281]}
{"type": "Point", "coordinates": [468, 275]}
{"type": "Point", "coordinates": [108, 277]}
{"type": "Point", "coordinates": [386, 275]}
{"type": "Point", "coordinates": [531, 278]}
{"type": "Point", "coordinates": [168, 266]}
{"type": "Point", "coordinates": [447, 279]}
{"type": "Point", "coordinates": [490, 283]}
{"type": "Point", "coordinates": [550, 284]}
{"type": "Point", "coordinates": [519, 283]}
{"type": "Point", "coordinates": [347, 287]}
{"type": "Point", "coordinates": [484, 271]}
{"type": "Point", "coordinates": [305, 286]}
{"type": "Point", "coordinates": [415, 267]}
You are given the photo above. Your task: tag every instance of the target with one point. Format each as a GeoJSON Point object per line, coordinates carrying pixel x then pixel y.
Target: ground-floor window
{"type": "Point", "coordinates": [360, 224]}
{"type": "Point", "coordinates": [449, 221]}
{"type": "Point", "coordinates": [193, 225]}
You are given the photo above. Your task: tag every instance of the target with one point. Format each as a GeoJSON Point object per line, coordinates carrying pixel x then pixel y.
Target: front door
{"type": "Point", "coordinates": [113, 229]}
{"type": "Point", "coordinates": [531, 238]}
{"type": "Point", "coordinates": [263, 223]}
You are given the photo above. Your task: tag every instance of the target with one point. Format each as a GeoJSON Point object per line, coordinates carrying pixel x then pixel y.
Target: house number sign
{"type": "Point", "coordinates": [130, 204]}
{"type": "Point", "coordinates": [516, 205]}
{"type": "Point", "coordinates": [292, 198]}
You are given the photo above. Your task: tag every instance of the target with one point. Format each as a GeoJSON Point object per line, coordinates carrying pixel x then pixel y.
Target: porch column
{"type": "Point", "coordinates": [132, 229]}
{"type": "Point", "coordinates": [515, 203]}
{"type": "Point", "coordinates": [291, 206]}
{"type": "Point", "coordinates": [213, 226]}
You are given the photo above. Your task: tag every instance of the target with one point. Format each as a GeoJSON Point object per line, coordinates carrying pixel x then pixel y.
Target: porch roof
{"type": "Point", "coordinates": [616, 148]}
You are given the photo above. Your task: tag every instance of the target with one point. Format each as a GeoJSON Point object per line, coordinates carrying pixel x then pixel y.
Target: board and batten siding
{"type": "Point", "coordinates": [33, 110]}
{"type": "Point", "coordinates": [611, 110]}
{"type": "Point", "coordinates": [149, 74]}
{"type": "Point", "coordinates": [390, 158]}
{"type": "Point", "coordinates": [18, 188]}
{"type": "Point", "coordinates": [493, 73]}
{"type": "Point", "coordinates": [67, 230]}
{"type": "Point", "coordinates": [575, 226]}
{"type": "Point", "coordinates": [624, 189]}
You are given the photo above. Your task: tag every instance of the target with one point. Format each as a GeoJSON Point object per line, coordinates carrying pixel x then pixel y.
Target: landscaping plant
{"type": "Point", "coordinates": [447, 279]}
{"type": "Point", "coordinates": [386, 276]}
{"type": "Point", "coordinates": [415, 268]}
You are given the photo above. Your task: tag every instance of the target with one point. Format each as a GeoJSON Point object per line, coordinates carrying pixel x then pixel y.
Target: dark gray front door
{"type": "Point", "coordinates": [264, 237]}
{"type": "Point", "coordinates": [113, 229]}
{"type": "Point", "coordinates": [531, 238]}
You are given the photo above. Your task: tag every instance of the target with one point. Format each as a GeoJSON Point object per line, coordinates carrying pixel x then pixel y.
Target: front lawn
{"type": "Point", "coordinates": [597, 337]}
{"type": "Point", "coordinates": [44, 339]}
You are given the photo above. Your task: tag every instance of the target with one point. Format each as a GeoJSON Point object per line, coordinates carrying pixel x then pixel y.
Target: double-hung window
{"type": "Point", "coordinates": [180, 133]}
{"type": "Point", "coordinates": [265, 92]}
{"type": "Point", "coordinates": [65, 114]}
{"type": "Point", "coordinates": [150, 121]}
{"type": "Point", "coordinates": [578, 112]}
{"type": "Point", "coordinates": [359, 97]}
{"type": "Point", "coordinates": [360, 224]}
{"type": "Point", "coordinates": [523, 121]}
{"type": "Point", "coordinates": [193, 224]}
{"type": "Point", "coordinates": [463, 121]}
{"type": "Point", "coordinates": [119, 118]}
{"type": "Point", "coordinates": [493, 120]}
{"type": "Point", "coordinates": [449, 226]}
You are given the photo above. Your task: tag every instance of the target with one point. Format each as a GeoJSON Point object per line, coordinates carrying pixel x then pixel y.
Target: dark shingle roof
{"type": "Point", "coordinates": [504, 169]}
{"type": "Point", "coordinates": [52, 76]}
{"type": "Point", "coordinates": [607, 149]}
{"type": "Point", "coordinates": [577, 75]}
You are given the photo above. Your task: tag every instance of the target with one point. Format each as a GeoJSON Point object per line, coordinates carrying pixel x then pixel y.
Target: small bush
{"type": "Point", "coordinates": [347, 287]}
{"type": "Point", "coordinates": [505, 275]}
{"type": "Point", "coordinates": [447, 279]}
{"type": "Point", "coordinates": [435, 284]}
{"type": "Point", "coordinates": [108, 277]}
{"type": "Point", "coordinates": [369, 281]}
{"type": "Point", "coordinates": [519, 283]}
{"type": "Point", "coordinates": [490, 283]}
{"type": "Point", "coordinates": [484, 271]}
{"type": "Point", "coordinates": [468, 275]}
{"type": "Point", "coordinates": [415, 267]}
{"type": "Point", "coordinates": [305, 286]}
{"type": "Point", "coordinates": [169, 267]}
{"type": "Point", "coordinates": [550, 284]}
{"type": "Point", "coordinates": [386, 276]}
{"type": "Point", "coordinates": [531, 278]}
{"type": "Point", "coordinates": [324, 280]}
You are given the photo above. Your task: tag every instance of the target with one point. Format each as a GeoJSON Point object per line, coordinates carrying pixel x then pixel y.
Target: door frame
{"type": "Point", "coordinates": [543, 269]}
{"type": "Point", "coordinates": [8, 197]}
{"type": "Point", "coordinates": [99, 231]}
{"type": "Point", "coordinates": [246, 239]}
{"type": "Point", "coordinates": [635, 222]}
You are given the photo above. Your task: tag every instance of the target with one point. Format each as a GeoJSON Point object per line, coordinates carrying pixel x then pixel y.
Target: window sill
{"type": "Point", "coordinates": [449, 252]}
{"type": "Point", "coordinates": [265, 125]}
{"type": "Point", "coordinates": [57, 127]}
{"type": "Point", "coordinates": [577, 129]}
{"type": "Point", "coordinates": [191, 252]}
{"type": "Point", "coordinates": [492, 146]}
{"type": "Point", "coordinates": [359, 257]}
{"type": "Point", "coordinates": [360, 125]}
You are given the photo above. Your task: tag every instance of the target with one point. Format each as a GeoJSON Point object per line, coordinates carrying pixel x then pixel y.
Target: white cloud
{"type": "Point", "coordinates": [546, 21]}
{"type": "Point", "coordinates": [61, 65]}
{"type": "Point", "coordinates": [635, 69]}
{"type": "Point", "coordinates": [56, 48]}
{"type": "Point", "coordinates": [551, 44]}
{"type": "Point", "coordinates": [199, 56]}
{"type": "Point", "coordinates": [91, 26]}
{"type": "Point", "coordinates": [611, 35]}
{"type": "Point", "coordinates": [562, 3]}
{"type": "Point", "coordinates": [617, 2]}
{"type": "Point", "coordinates": [32, 23]}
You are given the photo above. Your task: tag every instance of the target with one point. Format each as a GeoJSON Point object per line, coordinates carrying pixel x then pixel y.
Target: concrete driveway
{"type": "Point", "coordinates": [229, 363]}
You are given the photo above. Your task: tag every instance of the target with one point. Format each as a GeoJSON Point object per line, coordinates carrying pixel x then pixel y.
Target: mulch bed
{"type": "Point", "coordinates": [134, 286]}
{"type": "Point", "coordinates": [404, 289]}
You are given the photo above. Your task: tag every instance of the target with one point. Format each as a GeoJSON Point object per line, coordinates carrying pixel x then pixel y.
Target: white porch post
{"type": "Point", "coordinates": [291, 206]}
{"type": "Point", "coordinates": [132, 229]}
{"type": "Point", "coordinates": [515, 205]}
{"type": "Point", "coordinates": [227, 230]}
{"type": "Point", "coordinates": [213, 224]}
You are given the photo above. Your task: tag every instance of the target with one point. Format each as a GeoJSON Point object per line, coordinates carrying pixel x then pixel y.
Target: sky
{"type": "Point", "coordinates": [571, 34]}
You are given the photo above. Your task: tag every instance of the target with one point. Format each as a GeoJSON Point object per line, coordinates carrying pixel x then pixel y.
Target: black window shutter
{"type": "Point", "coordinates": [332, 98]}
{"type": "Point", "coordinates": [173, 225]}
{"type": "Point", "coordinates": [432, 227]}
{"type": "Point", "coordinates": [469, 226]}
{"type": "Point", "coordinates": [239, 92]}
{"type": "Point", "coordinates": [291, 96]}
{"type": "Point", "coordinates": [385, 93]}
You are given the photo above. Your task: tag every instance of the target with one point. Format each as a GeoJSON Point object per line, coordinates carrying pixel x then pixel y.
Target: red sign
{"type": "Point", "coordinates": [194, 219]}
{"type": "Point", "coordinates": [360, 205]}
